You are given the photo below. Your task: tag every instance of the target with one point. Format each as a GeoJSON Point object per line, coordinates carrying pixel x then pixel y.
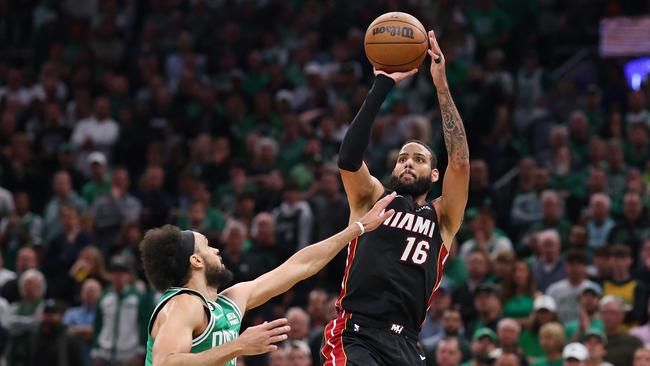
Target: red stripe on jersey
{"type": "Point", "coordinates": [333, 346]}
{"type": "Point", "coordinates": [442, 258]}
{"type": "Point", "coordinates": [352, 248]}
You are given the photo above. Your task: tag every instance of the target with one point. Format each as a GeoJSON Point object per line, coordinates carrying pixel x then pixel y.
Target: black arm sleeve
{"type": "Point", "coordinates": [357, 137]}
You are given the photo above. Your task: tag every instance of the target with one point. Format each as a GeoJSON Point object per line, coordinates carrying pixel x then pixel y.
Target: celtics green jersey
{"type": "Point", "coordinates": [223, 323]}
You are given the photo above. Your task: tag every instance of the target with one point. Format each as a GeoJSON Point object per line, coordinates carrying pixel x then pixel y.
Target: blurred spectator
{"type": "Point", "coordinates": [5, 274]}
{"type": "Point", "coordinates": [588, 317]}
{"type": "Point", "coordinates": [329, 205]}
{"type": "Point", "coordinates": [624, 286]}
{"type": "Point", "coordinates": [488, 307]}
{"type": "Point", "coordinates": [508, 332]}
{"type": "Point", "coordinates": [452, 326]}
{"type": "Point", "coordinates": [316, 309]}
{"type": "Point", "coordinates": [89, 264]}
{"type": "Point", "coordinates": [595, 342]}
{"type": "Point", "coordinates": [508, 359]}
{"type": "Point", "coordinates": [620, 345]}
{"type": "Point", "coordinates": [643, 331]}
{"type": "Point", "coordinates": [63, 195]}
{"type": "Point", "coordinates": [565, 292]}
{"type": "Point", "coordinates": [575, 354]}
{"type": "Point", "coordinates": [293, 220]}
{"type": "Point", "coordinates": [543, 313]}
{"type": "Point", "coordinates": [552, 217]}
{"type": "Point", "coordinates": [98, 132]}
{"type": "Point", "coordinates": [120, 329]}
{"type": "Point", "coordinates": [551, 338]}
{"type": "Point", "coordinates": [637, 113]}
{"type": "Point", "coordinates": [114, 208]}
{"type": "Point", "coordinates": [480, 193]}
{"type": "Point", "coordinates": [448, 352]}
{"type": "Point", "coordinates": [633, 228]}
{"type": "Point", "coordinates": [51, 344]}
{"type": "Point", "coordinates": [265, 245]}
{"type": "Point", "coordinates": [519, 294]}
{"type": "Point", "coordinates": [299, 323]}
{"type": "Point", "coordinates": [602, 267]}
{"type": "Point", "coordinates": [637, 151]}
{"type": "Point", "coordinates": [641, 357]}
{"type": "Point", "coordinates": [478, 266]}
{"type": "Point", "coordinates": [81, 320]}
{"type": "Point", "coordinates": [483, 346]}
{"type": "Point", "coordinates": [62, 252]}
{"type": "Point", "coordinates": [156, 202]}
{"type": "Point", "coordinates": [20, 229]}
{"type": "Point", "coordinates": [99, 184]}
{"type": "Point", "coordinates": [6, 202]}
{"type": "Point", "coordinates": [485, 236]}
{"type": "Point", "coordinates": [23, 316]}
{"type": "Point", "coordinates": [548, 267]}
{"type": "Point", "coordinates": [278, 358]}
{"type": "Point", "coordinates": [600, 223]}
{"type": "Point", "coordinates": [25, 260]}
{"type": "Point", "coordinates": [243, 264]}
{"type": "Point", "coordinates": [299, 354]}
{"type": "Point", "coordinates": [432, 326]}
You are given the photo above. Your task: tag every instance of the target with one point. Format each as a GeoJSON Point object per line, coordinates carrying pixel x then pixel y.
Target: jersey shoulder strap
{"type": "Point", "coordinates": [175, 291]}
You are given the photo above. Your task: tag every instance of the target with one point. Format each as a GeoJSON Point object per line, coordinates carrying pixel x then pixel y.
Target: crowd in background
{"type": "Point", "coordinates": [225, 117]}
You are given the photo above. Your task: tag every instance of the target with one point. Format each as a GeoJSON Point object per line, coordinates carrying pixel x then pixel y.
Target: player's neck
{"type": "Point", "coordinates": [420, 200]}
{"type": "Point", "coordinates": [202, 287]}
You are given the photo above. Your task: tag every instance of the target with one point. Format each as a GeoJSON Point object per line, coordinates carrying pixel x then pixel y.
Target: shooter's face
{"type": "Point", "coordinates": [413, 174]}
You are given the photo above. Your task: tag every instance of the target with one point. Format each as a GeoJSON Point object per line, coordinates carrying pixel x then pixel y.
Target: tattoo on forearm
{"type": "Point", "coordinates": [453, 130]}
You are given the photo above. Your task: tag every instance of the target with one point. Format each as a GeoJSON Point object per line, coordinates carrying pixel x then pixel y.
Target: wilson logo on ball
{"type": "Point", "coordinates": [406, 32]}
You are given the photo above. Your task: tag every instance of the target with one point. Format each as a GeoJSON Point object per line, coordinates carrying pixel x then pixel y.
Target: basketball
{"type": "Point", "coordinates": [396, 42]}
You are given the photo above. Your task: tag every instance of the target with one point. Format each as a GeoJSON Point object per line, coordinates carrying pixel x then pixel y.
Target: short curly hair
{"type": "Point", "coordinates": [160, 251]}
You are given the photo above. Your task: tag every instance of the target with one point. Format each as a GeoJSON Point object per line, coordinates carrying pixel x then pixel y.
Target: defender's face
{"type": "Point", "coordinates": [209, 254]}
{"type": "Point", "coordinates": [413, 163]}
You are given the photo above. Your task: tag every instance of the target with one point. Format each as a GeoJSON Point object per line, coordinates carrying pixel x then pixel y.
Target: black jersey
{"type": "Point", "coordinates": [392, 272]}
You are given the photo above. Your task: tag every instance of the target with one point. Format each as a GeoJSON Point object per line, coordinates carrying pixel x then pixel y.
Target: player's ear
{"type": "Point", "coordinates": [196, 261]}
{"type": "Point", "coordinates": [435, 174]}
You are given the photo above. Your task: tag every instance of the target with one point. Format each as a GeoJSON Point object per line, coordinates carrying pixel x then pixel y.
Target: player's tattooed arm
{"type": "Point", "coordinates": [453, 130]}
{"type": "Point", "coordinates": [451, 207]}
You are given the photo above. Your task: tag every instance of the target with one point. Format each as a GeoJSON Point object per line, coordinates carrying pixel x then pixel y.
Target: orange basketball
{"type": "Point", "coordinates": [396, 42]}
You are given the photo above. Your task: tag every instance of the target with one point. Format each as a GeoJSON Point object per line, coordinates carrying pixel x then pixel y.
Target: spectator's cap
{"type": "Point", "coordinates": [313, 68]}
{"type": "Point", "coordinates": [484, 332]}
{"type": "Point", "coordinates": [119, 264]}
{"type": "Point", "coordinates": [616, 300]}
{"type": "Point", "coordinates": [284, 95]}
{"type": "Point", "coordinates": [97, 158]}
{"type": "Point", "coordinates": [544, 302]}
{"type": "Point", "coordinates": [595, 332]}
{"type": "Point", "coordinates": [590, 286]}
{"type": "Point", "coordinates": [51, 306]}
{"type": "Point", "coordinates": [66, 147]}
{"type": "Point", "coordinates": [488, 288]}
{"type": "Point", "coordinates": [575, 351]}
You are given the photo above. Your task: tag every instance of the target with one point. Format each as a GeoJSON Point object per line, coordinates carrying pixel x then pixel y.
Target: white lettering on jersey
{"type": "Point", "coordinates": [396, 328]}
{"type": "Point", "coordinates": [411, 222]}
{"type": "Point", "coordinates": [407, 222]}
{"type": "Point", "coordinates": [223, 336]}
{"type": "Point", "coordinates": [395, 219]}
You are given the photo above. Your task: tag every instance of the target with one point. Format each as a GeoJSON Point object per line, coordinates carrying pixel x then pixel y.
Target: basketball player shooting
{"type": "Point", "coordinates": [194, 323]}
{"type": "Point", "coordinates": [393, 272]}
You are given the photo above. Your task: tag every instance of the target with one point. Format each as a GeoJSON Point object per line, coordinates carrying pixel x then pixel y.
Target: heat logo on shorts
{"type": "Point", "coordinates": [393, 30]}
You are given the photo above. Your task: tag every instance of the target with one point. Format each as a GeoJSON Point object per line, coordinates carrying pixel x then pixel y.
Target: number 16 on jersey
{"type": "Point", "coordinates": [419, 255]}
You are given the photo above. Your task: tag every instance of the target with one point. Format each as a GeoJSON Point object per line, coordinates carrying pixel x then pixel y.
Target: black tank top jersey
{"type": "Point", "coordinates": [393, 271]}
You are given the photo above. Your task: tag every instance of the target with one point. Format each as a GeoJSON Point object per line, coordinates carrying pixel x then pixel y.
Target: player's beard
{"type": "Point", "coordinates": [217, 276]}
{"type": "Point", "coordinates": [417, 188]}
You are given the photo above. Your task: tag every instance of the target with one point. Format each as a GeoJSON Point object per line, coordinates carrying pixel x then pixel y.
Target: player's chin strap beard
{"type": "Point", "coordinates": [183, 255]}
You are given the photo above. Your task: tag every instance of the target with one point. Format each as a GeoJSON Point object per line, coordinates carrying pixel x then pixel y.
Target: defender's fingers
{"type": "Point", "coordinates": [280, 330]}
{"type": "Point", "coordinates": [386, 215]}
{"type": "Point", "coordinates": [276, 323]}
{"type": "Point", "coordinates": [279, 338]}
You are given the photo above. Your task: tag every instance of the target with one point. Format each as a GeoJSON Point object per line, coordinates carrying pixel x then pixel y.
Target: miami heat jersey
{"type": "Point", "coordinates": [392, 272]}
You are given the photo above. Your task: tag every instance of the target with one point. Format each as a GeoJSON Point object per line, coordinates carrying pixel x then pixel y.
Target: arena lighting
{"type": "Point", "coordinates": [636, 72]}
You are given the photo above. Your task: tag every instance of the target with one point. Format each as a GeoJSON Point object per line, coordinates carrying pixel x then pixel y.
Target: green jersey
{"type": "Point", "coordinates": [223, 323]}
